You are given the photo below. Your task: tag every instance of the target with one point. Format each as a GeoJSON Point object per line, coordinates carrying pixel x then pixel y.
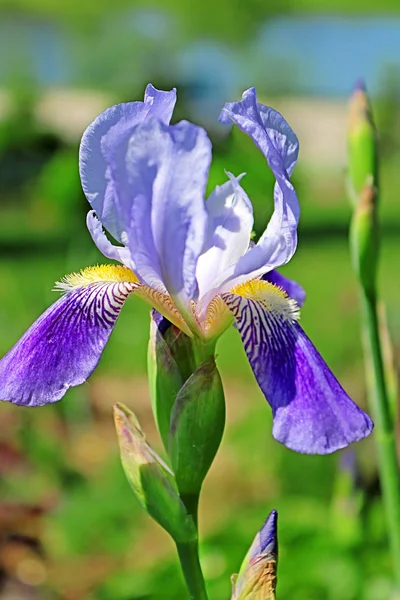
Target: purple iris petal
{"type": "Point", "coordinates": [312, 412]}
{"type": "Point", "coordinates": [63, 347]}
{"type": "Point", "coordinates": [159, 176]}
{"type": "Point", "coordinates": [119, 253]}
{"type": "Point", "coordinates": [99, 139]}
{"type": "Point", "coordinates": [291, 287]}
{"type": "Point", "coordinates": [276, 140]}
{"type": "Point", "coordinates": [230, 222]}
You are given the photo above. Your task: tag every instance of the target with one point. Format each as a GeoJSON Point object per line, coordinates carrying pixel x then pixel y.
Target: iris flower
{"type": "Point", "coordinates": [193, 261]}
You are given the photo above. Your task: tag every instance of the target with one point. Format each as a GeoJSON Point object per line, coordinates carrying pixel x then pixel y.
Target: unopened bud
{"type": "Point", "coordinates": [150, 478]}
{"type": "Point", "coordinates": [364, 237]}
{"type": "Point", "coordinates": [165, 379]}
{"type": "Point", "coordinates": [362, 143]}
{"type": "Point", "coordinates": [197, 425]}
{"type": "Point", "coordinates": [258, 574]}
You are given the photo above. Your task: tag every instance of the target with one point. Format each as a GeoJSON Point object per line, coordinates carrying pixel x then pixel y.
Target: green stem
{"type": "Point", "coordinates": [384, 433]}
{"type": "Point", "coordinates": [189, 559]}
{"type": "Point", "coordinates": [191, 501]}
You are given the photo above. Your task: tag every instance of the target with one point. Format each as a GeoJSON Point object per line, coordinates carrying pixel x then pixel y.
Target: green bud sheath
{"type": "Point", "coordinates": [150, 479]}
{"type": "Point", "coordinates": [182, 349]}
{"type": "Point", "coordinates": [165, 379]}
{"type": "Point", "coordinates": [197, 425]}
{"type": "Point", "coordinates": [364, 238]}
{"type": "Point", "coordinates": [362, 143]}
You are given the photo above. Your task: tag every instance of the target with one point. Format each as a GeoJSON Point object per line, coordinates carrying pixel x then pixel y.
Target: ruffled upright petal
{"type": "Point", "coordinates": [230, 223]}
{"type": "Point", "coordinates": [119, 253]}
{"type": "Point", "coordinates": [159, 175]}
{"type": "Point", "coordinates": [63, 347]}
{"type": "Point", "coordinates": [312, 412]}
{"type": "Point", "coordinates": [276, 140]}
{"type": "Point", "coordinates": [98, 140]}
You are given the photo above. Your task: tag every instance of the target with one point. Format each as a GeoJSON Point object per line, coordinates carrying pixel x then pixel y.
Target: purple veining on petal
{"type": "Point", "coordinates": [276, 140]}
{"type": "Point", "coordinates": [107, 130]}
{"type": "Point", "coordinates": [63, 347]}
{"type": "Point", "coordinates": [159, 176]}
{"type": "Point", "coordinates": [312, 412]}
{"type": "Point", "coordinates": [291, 287]}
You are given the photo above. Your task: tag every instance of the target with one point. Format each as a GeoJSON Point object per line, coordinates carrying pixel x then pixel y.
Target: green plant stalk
{"type": "Point", "coordinates": [191, 501]}
{"type": "Point", "coordinates": [189, 553]}
{"type": "Point", "coordinates": [384, 432]}
{"type": "Point", "coordinates": [189, 558]}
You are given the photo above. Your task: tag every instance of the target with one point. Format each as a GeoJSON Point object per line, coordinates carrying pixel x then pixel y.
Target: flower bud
{"type": "Point", "coordinates": [151, 480]}
{"type": "Point", "coordinates": [165, 379]}
{"type": "Point", "coordinates": [362, 143]}
{"type": "Point", "coordinates": [364, 237]}
{"type": "Point", "coordinates": [258, 574]}
{"type": "Point", "coordinates": [197, 425]}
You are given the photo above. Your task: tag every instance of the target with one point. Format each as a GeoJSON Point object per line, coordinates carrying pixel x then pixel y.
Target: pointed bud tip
{"type": "Point", "coordinates": [269, 534]}
{"type": "Point", "coordinates": [126, 419]}
{"type": "Point", "coordinates": [360, 85]}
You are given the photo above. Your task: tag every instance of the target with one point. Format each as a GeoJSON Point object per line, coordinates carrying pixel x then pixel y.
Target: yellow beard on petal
{"type": "Point", "coordinates": [96, 274]}
{"type": "Point", "coordinates": [273, 298]}
{"type": "Point", "coordinates": [120, 274]}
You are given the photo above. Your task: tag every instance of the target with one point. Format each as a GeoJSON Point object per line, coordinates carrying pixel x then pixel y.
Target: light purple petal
{"type": "Point", "coordinates": [119, 253]}
{"type": "Point", "coordinates": [230, 223]}
{"type": "Point", "coordinates": [159, 175]}
{"type": "Point", "coordinates": [99, 139]}
{"type": "Point", "coordinates": [63, 347]}
{"type": "Point", "coordinates": [291, 287]}
{"type": "Point", "coordinates": [276, 140]}
{"type": "Point", "coordinates": [312, 412]}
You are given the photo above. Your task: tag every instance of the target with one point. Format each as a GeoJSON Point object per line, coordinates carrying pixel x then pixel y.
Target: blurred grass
{"type": "Point", "coordinates": [231, 17]}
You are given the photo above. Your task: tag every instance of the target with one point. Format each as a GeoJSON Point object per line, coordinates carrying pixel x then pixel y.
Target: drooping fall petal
{"type": "Point", "coordinates": [312, 412]}
{"type": "Point", "coordinates": [63, 347]}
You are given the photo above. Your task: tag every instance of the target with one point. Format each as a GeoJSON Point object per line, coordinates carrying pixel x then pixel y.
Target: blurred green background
{"type": "Point", "coordinates": [69, 526]}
